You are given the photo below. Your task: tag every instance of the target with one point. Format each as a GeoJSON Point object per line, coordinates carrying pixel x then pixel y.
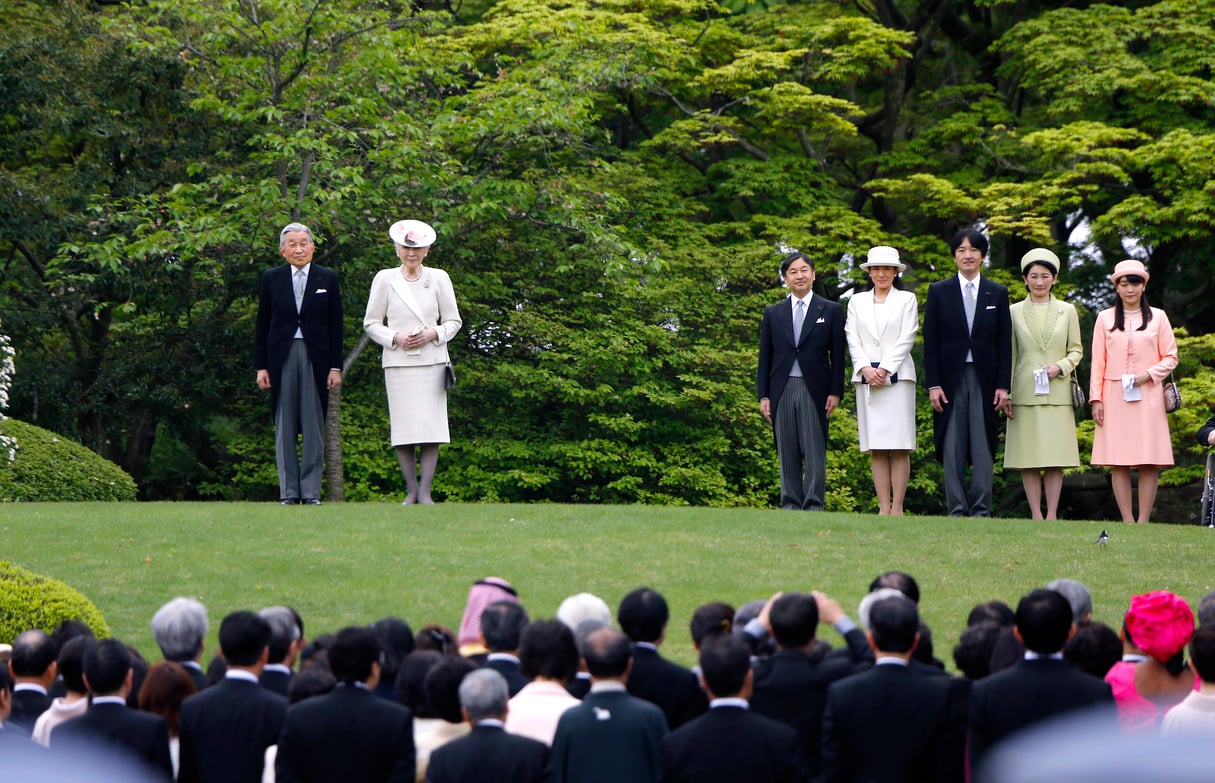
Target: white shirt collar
{"type": "Point", "coordinates": [29, 686]}
{"type": "Point", "coordinates": [601, 686]}
{"type": "Point", "coordinates": [109, 700]}
{"type": "Point", "coordinates": [729, 701]}
{"type": "Point", "coordinates": [962, 281]}
{"type": "Point", "coordinates": [240, 674]}
{"type": "Point", "coordinates": [1030, 655]}
{"type": "Point", "coordinates": [281, 668]}
{"type": "Point", "coordinates": [794, 300]}
{"type": "Point", "coordinates": [500, 656]}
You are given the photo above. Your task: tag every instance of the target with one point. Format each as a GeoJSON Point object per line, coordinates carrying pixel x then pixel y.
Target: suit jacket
{"type": "Point", "coordinates": [27, 706]}
{"type": "Point", "coordinates": [437, 303]}
{"type": "Point", "coordinates": [225, 731]}
{"type": "Point", "coordinates": [275, 681]}
{"type": "Point", "coordinates": [511, 671]}
{"type": "Point", "coordinates": [819, 353]}
{"type": "Point", "coordinates": [347, 734]}
{"type": "Point", "coordinates": [908, 718]}
{"type": "Point", "coordinates": [1063, 346]}
{"type": "Point", "coordinates": [197, 675]}
{"type": "Point", "coordinates": [1031, 691]}
{"type": "Point", "coordinates": [140, 736]}
{"type": "Point", "coordinates": [488, 754]}
{"type": "Point", "coordinates": [731, 744]}
{"type": "Point", "coordinates": [947, 341]}
{"type": "Point", "coordinates": [610, 737]}
{"type": "Point", "coordinates": [888, 342]}
{"type": "Point", "coordinates": [319, 319]}
{"type": "Point", "coordinates": [673, 688]}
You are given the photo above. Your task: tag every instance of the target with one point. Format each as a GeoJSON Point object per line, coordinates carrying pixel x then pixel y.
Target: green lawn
{"type": "Point", "coordinates": [352, 563]}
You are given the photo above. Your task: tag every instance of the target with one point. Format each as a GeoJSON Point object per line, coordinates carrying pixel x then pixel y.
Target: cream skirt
{"type": "Point", "coordinates": [417, 404]}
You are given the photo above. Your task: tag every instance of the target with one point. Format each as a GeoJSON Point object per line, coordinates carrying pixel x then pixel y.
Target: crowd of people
{"type": "Point", "coordinates": [983, 359]}
{"type": "Point", "coordinates": [588, 697]}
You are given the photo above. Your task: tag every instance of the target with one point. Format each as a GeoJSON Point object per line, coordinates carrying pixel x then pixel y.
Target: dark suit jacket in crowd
{"type": "Point", "coordinates": [893, 723]}
{"type": "Point", "coordinates": [612, 736]}
{"type": "Point", "coordinates": [27, 706]}
{"type": "Point", "coordinates": [673, 688]}
{"type": "Point", "coordinates": [511, 671]}
{"type": "Point", "coordinates": [819, 353]}
{"type": "Point", "coordinates": [488, 754]}
{"type": "Point", "coordinates": [197, 675]}
{"type": "Point", "coordinates": [225, 731]}
{"type": "Point", "coordinates": [579, 686]}
{"type": "Point", "coordinates": [319, 319]}
{"type": "Point", "coordinates": [347, 734]}
{"type": "Point", "coordinates": [275, 682]}
{"type": "Point", "coordinates": [732, 744]}
{"type": "Point", "coordinates": [947, 340]}
{"type": "Point", "coordinates": [140, 736]}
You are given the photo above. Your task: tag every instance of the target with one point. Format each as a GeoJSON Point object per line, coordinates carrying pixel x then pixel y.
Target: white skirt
{"type": "Point", "coordinates": [417, 404]}
{"type": "Point", "coordinates": [885, 416]}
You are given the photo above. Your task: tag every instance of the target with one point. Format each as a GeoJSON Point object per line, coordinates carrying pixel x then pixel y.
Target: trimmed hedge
{"type": "Point", "coordinates": [29, 600]}
{"type": "Point", "coordinates": [51, 467]}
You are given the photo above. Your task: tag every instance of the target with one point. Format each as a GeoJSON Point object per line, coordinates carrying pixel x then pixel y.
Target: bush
{"type": "Point", "coordinates": [51, 467]}
{"type": "Point", "coordinates": [29, 600]}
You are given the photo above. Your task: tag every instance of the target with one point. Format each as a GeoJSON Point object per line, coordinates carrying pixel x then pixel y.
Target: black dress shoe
{"type": "Point", "coordinates": [289, 501]}
{"type": "Point", "coordinates": [312, 501]}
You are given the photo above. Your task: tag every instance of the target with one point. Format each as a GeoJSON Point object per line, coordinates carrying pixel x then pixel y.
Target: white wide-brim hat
{"type": "Point", "coordinates": [412, 233]}
{"type": "Point", "coordinates": [883, 255]}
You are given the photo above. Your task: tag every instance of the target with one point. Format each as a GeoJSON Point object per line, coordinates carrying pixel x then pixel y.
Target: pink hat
{"type": "Point", "coordinates": [1129, 267]}
{"type": "Point", "coordinates": [1160, 623]}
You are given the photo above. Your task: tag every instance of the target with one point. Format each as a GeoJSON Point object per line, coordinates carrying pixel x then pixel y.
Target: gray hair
{"type": "Point", "coordinates": [1077, 595]}
{"type": "Point", "coordinates": [283, 631]}
{"type": "Point", "coordinates": [483, 694]}
{"type": "Point", "coordinates": [582, 607]}
{"type": "Point", "coordinates": [880, 594]}
{"type": "Point", "coordinates": [1206, 610]}
{"type": "Point", "coordinates": [287, 229]}
{"type": "Point", "coordinates": [179, 627]}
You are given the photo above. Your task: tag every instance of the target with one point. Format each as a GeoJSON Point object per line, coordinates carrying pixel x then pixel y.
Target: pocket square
{"type": "Point", "coordinates": [321, 291]}
{"type": "Point", "coordinates": [990, 307]}
{"type": "Point", "coordinates": [821, 321]}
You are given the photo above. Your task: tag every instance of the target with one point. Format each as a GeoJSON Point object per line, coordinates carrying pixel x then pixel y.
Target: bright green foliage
{"type": "Point", "coordinates": [30, 601]}
{"type": "Point", "coordinates": [51, 467]}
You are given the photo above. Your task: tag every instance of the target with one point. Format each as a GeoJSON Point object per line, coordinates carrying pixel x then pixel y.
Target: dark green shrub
{"type": "Point", "coordinates": [29, 600]}
{"type": "Point", "coordinates": [52, 467]}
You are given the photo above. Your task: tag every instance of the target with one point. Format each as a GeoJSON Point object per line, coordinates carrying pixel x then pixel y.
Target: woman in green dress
{"type": "Point", "coordinates": [1041, 435]}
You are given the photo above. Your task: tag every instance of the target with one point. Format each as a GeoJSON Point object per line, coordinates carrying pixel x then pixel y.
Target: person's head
{"type": "Point", "coordinates": [481, 594]}
{"type": "Point", "coordinates": [179, 628]}
{"type": "Point", "coordinates": [502, 625]}
{"type": "Point", "coordinates": [1077, 595]}
{"type": "Point", "coordinates": [548, 650]}
{"type": "Point", "coordinates": [972, 653]}
{"type": "Point", "coordinates": [880, 594]}
{"type": "Point", "coordinates": [794, 620]}
{"type": "Point", "coordinates": [1202, 653]}
{"type": "Point", "coordinates": [296, 245]}
{"type": "Point", "coordinates": [313, 681]}
{"type": "Point", "coordinates": [725, 666]}
{"type": "Point", "coordinates": [898, 580]}
{"type": "Point", "coordinates": [1044, 621]}
{"type": "Point", "coordinates": [71, 663]}
{"type": "Point", "coordinates": [1094, 648]}
{"type": "Point", "coordinates": [442, 686]}
{"type": "Point", "coordinates": [581, 607]}
{"type": "Point", "coordinates": [797, 270]}
{"type": "Point", "coordinates": [316, 652]}
{"type": "Point", "coordinates": [107, 668]}
{"type": "Point", "coordinates": [70, 629]}
{"type": "Point", "coordinates": [996, 612]}
{"type": "Point", "coordinates": [165, 687]}
{"type": "Point", "coordinates": [883, 266]}
{"type": "Point", "coordinates": [397, 641]}
{"type": "Point", "coordinates": [354, 656]}
{"type": "Point", "coordinates": [894, 626]}
{"type": "Point", "coordinates": [1039, 270]}
{"type": "Point", "coordinates": [412, 240]}
{"type": "Point", "coordinates": [436, 637]}
{"type": "Point", "coordinates": [713, 617]}
{"type": "Point", "coordinates": [6, 694]}
{"type": "Point", "coordinates": [1160, 623]}
{"type": "Point", "coordinates": [607, 653]}
{"type": "Point", "coordinates": [1206, 610]}
{"type": "Point", "coordinates": [969, 247]}
{"type": "Point", "coordinates": [1130, 279]}
{"type": "Point", "coordinates": [643, 615]}
{"type": "Point", "coordinates": [284, 634]}
{"type": "Point", "coordinates": [483, 694]}
{"type": "Point", "coordinates": [408, 689]}
{"type": "Point", "coordinates": [139, 671]}
{"type": "Point", "coordinates": [244, 639]}
{"type": "Point", "coordinates": [33, 658]}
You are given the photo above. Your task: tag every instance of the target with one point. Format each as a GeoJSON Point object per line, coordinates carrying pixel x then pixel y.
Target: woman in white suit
{"type": "Point", "coordinates": [1046, 350]}
{"type": "Point", "coordinates": [412, 313]}
{"type": "Point", "coordinates": [881, 327]}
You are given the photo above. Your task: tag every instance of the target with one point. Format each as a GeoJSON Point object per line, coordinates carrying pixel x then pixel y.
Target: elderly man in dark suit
{"type": "Point", "coordinates": [226, 729]}
{"type": "Point", "coordinates": [179, 628]}
{"type": "Point", "coordinates": [286, 639]}
{"type": "Point", "coordinates": [348, 734]}
{"type": "Point", "coordinates": [968, 370]}
{"type": "Point", "coordinates": [297, 353]}
{"type": "Point", "coordinates": [643, 616]}
{"type": "Point", "coordinates": [33, 667]}
{"type": "Point", "coordinates": [801, 381]}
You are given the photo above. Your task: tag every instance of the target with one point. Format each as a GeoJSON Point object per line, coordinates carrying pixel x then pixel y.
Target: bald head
{"type": "Point", "coordinates": [607, 653]}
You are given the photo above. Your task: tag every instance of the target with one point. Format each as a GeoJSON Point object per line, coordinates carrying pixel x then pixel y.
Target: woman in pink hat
{"type": "Point", "coordinates": [1133, 353]}
{"type": "Point", "coordinates": [1152, 675]}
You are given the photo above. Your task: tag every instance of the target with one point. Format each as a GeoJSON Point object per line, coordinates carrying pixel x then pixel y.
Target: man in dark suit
{"type": "Point", "coordinates": [611, 736]}
{"type": "Point", "coordinates": [297, 352]}
{"type": "Point", "coordinates": [226, 729]}
{"type": "Point", "coordinates": [730, 742]}
{"type": "Point", "coordinates": [348, 734]}
{"type": "Point", "coordinates": [33, 667]}
{"type": "Point", "coordinates": [109, 723]}
{"type": "Point", "coordinates": [179, 628]}
{"type": "Point", "coordinates": [800, 381]}
{"type": "Point", "coordinates": [286, 639]}
{"type": "Point", "coordinates": [968, 370]}
{"type": "Point", "coordinates": [9, 732]}
{"type": "Point", "coordinates": [488, 754]}
{"type": "Point", "coordinates": [893, 722]}
{"type": "Point", "coordinates": [502, 625]}
{"type": "Point", "coordinates": [1039, 687]}
{"type": "Point", "coordinates": [643, 616]}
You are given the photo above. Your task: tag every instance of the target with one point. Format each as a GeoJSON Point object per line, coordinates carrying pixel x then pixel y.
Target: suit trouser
{"type": "Point", "coordinates": [802, 449]}
{"type": "Point", "coordinates": [966, 444]}
{"type": "Point", "coordinates": [299, 415]}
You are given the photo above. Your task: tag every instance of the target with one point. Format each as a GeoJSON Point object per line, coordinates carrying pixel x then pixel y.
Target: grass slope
{"type": "Point", "coordinates": [353, 563]}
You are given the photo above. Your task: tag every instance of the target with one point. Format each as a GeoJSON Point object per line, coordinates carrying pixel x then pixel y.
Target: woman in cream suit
{"type": "Point", "coordinates": [1046, 350]}
{"type": "Point", "coordinates": [419, 306]}
{"type": "Point", "coordinates": [881, 328]}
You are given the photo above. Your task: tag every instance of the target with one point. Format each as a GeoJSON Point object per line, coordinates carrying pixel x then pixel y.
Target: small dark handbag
{"type": "Point", "coordinates": [449, 377]}
{"type": "Point", "coordinates": [1077, 394]}
{"type": "Point", "coordinates": [1172, 396]}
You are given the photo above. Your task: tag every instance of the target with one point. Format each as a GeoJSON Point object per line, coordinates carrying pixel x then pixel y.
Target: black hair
{"type": "Point", "coordinates": [713, 617]}
{"type": "Point", "coordinates": [1202, 653]}
{"type": "Point", "coordinates": [996, 612]}
{"type": "Point", "coordinates": [396, 640]}
{"type": "Point", "coordinates": [899, 580]}
{"type": "Point", "coordinates": [977, 240]}
{"type": "Point", "coordinates": [1044, 618]}
{"type": "Point", "coordinates": [788, 260]}
{"type": "Point", "coordinates": [33, 651]}
{"type": "Point", "coordinates": [1094, 648]}
{"type": "Point", "coordinates": [71, 662]}
{"type": "Point", "coordinates": [409, 689]}
{"type": "Point", "coordinates": [607, 653]}
{"type": "Point", "coordinates": [794, 619]}
{"type": "Point", "coordinates": [972, 653]}
{"type": "Point", "coordinates": [724, 662]}
{"type": "Point", "coordinates": [352, 654]}
{"type": "Point", "coordinates": [442, 686]}
{"type": "Point", "coordinates": [502, 625]}
{"type": "Point", "coordinates": [1120, 313]}
{"type": "Point", "coordinates": [643, 615]}
{"type": "Point", "coordinates": [313, 681]}
{"type": "Point", "coordinates": [548, 649]}
{"type": "Point", "coordinates": [894, 623]}
{"type": "Point", "coordinates": [243, 636]}
{"type": "Point", "coordinates": [106, 666]}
